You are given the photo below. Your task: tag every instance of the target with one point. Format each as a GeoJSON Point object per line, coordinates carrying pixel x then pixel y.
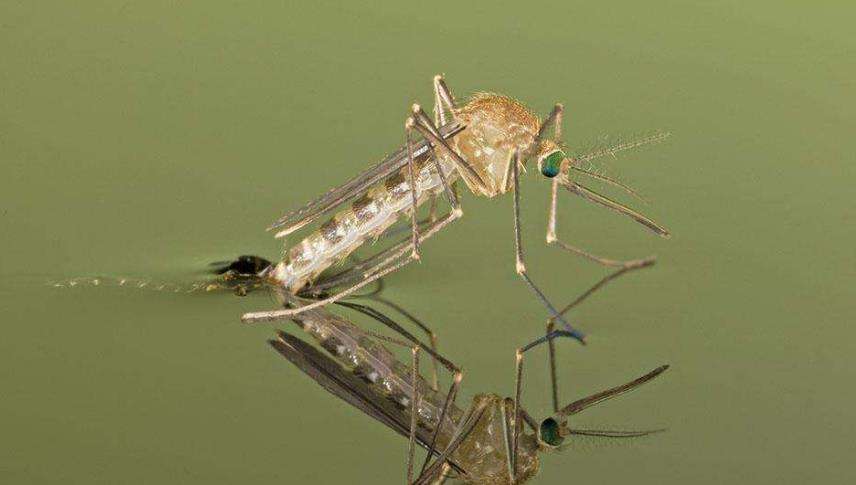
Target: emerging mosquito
{"type": "Point", "coordinates": [486, 444]}
{"type": "Point", "coordinates": [484, 142]}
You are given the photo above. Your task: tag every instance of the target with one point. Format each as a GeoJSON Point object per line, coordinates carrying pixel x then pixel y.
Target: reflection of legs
{"type": "Point", "coordinates": [466, 425]}
{"type": "Point", "coordinates": [549, 336]}
{"type": "Point", "coordinates": [551, 325]}
{"type": "Point", "coordinates": [520, 265]}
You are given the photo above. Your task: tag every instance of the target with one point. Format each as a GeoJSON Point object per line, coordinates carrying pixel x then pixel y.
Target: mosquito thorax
{"type": "Point", "coordinates": [550, 164]}
{"type": "Point", "coordinates": [550, 434]}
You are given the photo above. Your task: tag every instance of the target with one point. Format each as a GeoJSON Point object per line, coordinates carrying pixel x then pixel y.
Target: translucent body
{"type": "Point", "coordinates": [495, 126]}
{"type": "Point", "coordinates": [482, 454]}
{"type": "Point", "coordinates": [380, 368]}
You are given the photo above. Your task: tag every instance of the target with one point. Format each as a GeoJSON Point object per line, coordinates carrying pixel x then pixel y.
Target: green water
{"type": "Point", "coordinates": [150, 138]}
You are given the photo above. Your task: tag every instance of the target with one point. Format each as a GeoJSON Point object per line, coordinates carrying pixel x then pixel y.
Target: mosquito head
{"type": "Point", "coordinates": [550, 158]}
{"type": "Point", "coordinates": [554, 429]}
{"type": "Point", "coordinates": [552, 433]}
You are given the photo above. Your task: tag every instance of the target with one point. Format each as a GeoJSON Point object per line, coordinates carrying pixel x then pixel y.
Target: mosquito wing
{"type": "Point", "coordinates": [304, 215]}
{"type": "Point", "coordinates": [346, 386]}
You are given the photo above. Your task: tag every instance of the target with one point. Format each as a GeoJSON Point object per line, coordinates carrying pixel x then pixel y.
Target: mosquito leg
{"type": "Point", "coordinates": [554, 388]}
{"type": "Point", "coordinates": [443, 101]}
{"type": "Point", "coordinates": [529, 420]}
{"type": "Point", "coordinates": [518, 389]}
{"type": "Point", "coordinates": [552, 239]}
{"type": "Point", "coordinates": [641, 264]}
{"type": "Point", "coordinates": [412, 123]}
{"type": "Point", "coordinates": [509, 437]}
{"type": "Point", "coordinates": [408, 130]}
{"type": "Point", "coordinates": [520, 265]}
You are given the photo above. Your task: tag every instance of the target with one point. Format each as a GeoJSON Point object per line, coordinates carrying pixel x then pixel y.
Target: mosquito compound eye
{"type": "Point", "coordinates": [549, 432]}
{"type": "Point", "coordinates": [551, 164]}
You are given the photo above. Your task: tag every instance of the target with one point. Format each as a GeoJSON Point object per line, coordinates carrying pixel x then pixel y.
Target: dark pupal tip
{"type": "Point", "coordinates": [549, 432]}
{"type": "Point", "coordinates": [552, 163]}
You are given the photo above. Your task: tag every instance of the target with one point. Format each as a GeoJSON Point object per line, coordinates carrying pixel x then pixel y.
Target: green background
{"type": "Point", "coordinates": [149, 138]}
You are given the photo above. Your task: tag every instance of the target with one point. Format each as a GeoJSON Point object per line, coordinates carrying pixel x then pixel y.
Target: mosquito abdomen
{"type": "Point", "coordinates": [368, 217]}
{"type": "Point", "coordinates": [379, 367]}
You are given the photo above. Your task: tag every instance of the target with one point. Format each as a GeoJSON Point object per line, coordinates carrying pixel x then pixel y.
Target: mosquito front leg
{"type": "Point", "coordinates": [520, 265]}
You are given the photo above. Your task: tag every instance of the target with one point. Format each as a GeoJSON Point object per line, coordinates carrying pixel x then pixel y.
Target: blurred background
{"type": "Point", "coordinates": [149, 139]}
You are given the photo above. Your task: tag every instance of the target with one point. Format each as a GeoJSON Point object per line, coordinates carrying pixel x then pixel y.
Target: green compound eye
{"type": "Point", "coordinates": [551, 164]}
{"type": "Point", "coordinates": [550, 432]}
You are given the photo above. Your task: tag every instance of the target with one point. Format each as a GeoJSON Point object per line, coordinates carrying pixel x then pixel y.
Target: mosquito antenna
{"type": "Point", "coordinates": [612, 150]}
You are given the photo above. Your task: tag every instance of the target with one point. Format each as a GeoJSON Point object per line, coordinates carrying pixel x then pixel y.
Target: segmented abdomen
{"type": "Point", "coordinates": [367, 217]}
{"type": "Point", "coordinates": [374, 363]}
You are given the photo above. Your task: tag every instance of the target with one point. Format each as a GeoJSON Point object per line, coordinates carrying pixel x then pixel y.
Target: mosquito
{"type": "Point", "coordinates": [486, 443]}
{"type": "Point", "coordinates": [484, 142]}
